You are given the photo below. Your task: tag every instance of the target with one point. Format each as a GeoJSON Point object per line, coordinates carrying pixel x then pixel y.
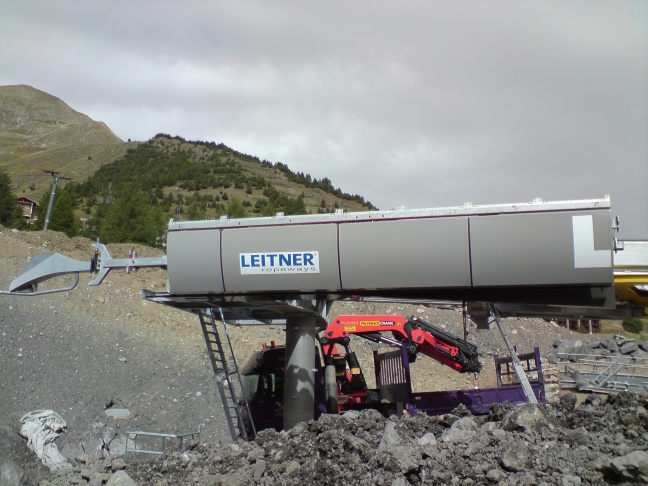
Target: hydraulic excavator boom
{"type": "Point", "coordinates": [418, 335]}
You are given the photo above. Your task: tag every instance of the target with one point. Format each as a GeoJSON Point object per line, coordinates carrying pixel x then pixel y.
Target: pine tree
{"type": "Point", "coordinates": [63, 218]}
{"type": "Point", "coordinates": [41, 207]}
{"type": "Point", "coordinates": [236, 209]}
{"type": "Point", "coordinates": [10, 212]}
{"type": "Point", "coordinates": [131, 219]}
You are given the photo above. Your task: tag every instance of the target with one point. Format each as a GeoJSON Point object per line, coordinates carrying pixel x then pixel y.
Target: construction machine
{"type": "Point", "coordinates": [340, 383]}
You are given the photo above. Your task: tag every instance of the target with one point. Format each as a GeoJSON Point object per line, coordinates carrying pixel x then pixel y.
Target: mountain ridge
{"type": "Point", "coordinates": [39, 131]}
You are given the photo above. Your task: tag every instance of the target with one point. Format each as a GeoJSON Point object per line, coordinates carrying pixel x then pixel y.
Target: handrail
{"type": "Point", "coordinates": [33, 292]}
{"type": "Point", "coordinates": [133, 435]}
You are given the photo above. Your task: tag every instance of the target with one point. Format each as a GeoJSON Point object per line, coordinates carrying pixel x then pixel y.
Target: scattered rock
{"type": "Point", "coordinates": [517, 456]}
{"type": "Point", "coordinates": [632, 467]}
{"type": "Point", "coordinates": [390, 437]}
{"type": "Point", "coordinates": [9, 472]}
{"type": "Point", "coordinates": [528, 418]}
{"type": "Point", "coordinates": [629, 347]}
{"type": "Point", "coordinates": [118, 413]}
{"type": "Point", "coordinates": [259, 469]}
{"type": "Point", "coordinates": [427, 440]}
{"type": "Point", "coordinates": [120, 478]}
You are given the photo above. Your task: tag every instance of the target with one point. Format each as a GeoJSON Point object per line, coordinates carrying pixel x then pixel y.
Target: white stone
{"type": "Point", "coordinates": [118, 413]}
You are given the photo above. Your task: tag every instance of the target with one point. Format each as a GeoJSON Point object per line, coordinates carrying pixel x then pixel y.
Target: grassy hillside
{"type": "Point", "coordinates": [172, 177]}
{"type": "Point", "coordinates": [132, 198]}
{"type": "Point", "coordinates": [39, 131]}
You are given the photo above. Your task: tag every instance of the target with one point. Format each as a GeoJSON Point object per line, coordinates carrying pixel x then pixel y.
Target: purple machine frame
{"type": "Point", "coordinates": [395, 385]}
{"type": "Point", "coordinates": [394, 388]}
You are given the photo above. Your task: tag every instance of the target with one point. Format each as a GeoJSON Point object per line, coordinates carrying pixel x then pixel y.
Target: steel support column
{"type": "Point", "coordinates": [299, 384]}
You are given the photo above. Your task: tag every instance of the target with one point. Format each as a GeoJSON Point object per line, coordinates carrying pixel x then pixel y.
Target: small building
{"type": "Point", "coordinates": [28, 207]}
{"type": "Point", "coordinates": [590, 325]}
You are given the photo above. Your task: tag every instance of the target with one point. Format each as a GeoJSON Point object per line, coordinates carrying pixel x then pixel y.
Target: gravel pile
{"type": "Point", "coordinates": [600, 442]}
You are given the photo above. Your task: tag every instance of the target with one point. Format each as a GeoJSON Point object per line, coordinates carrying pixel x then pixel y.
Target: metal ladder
{"type": "Point", "coordinates": [227, 378]}
{"type": "Point", "coordinates": [608, 373]}
{"type": "Point", "coordinates": [517, 365]}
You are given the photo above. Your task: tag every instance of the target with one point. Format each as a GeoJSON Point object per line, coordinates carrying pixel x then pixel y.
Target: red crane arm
{"type": "Point", "coordinates": [419, 335]}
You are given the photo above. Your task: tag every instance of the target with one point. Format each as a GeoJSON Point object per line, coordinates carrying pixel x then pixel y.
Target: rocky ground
{"type": "Point", "coordinates": [94, 350]}
{"type": "Point", "coordinates": [601, 442]}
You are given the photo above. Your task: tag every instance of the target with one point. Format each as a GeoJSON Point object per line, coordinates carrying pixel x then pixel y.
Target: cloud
{"type": "Point", "coordinates": [422, 104]}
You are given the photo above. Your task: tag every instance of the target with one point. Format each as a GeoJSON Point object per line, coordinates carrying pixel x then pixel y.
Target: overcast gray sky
{"type": "Point", "coordinates": [421, 104]}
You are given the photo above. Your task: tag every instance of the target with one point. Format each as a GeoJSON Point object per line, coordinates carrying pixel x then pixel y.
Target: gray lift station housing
{"type": "Point", "coordinates": [557, 253]}
{"type": "Point", "coordinates": [266, 270]}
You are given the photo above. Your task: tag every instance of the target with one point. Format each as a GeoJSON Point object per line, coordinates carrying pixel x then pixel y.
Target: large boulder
{"type": "Point", "coordinates": [629, 347]}
{"type": "Point", "coordinates": [527, 418]}
{"type": "Point", "coordinates": [631, 467]}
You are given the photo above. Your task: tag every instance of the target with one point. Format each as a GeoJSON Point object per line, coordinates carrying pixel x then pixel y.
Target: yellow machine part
{"type": "Point", "coordinates": [631, 285]}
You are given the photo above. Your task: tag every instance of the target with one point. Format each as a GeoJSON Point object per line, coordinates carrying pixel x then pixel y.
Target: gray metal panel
{"type": "Point", "coordinates": [527, 246]}
{"type": "Point", "coordinates": [414, 253]}
{"type": "Point", "coordinates": [467, 209]}
{"type": "Point", "coordinates": [193, 262]}
{"type": "Point", "coordinates": [270, 240]}
{"type": "Point", "coordinates": [542, 248]}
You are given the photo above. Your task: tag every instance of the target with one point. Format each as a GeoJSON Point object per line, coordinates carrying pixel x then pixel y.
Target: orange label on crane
{"type": "Point", "coordinates": [349, 328]}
